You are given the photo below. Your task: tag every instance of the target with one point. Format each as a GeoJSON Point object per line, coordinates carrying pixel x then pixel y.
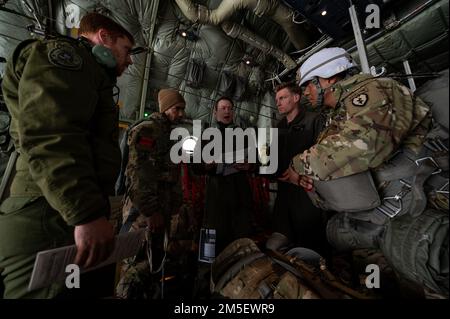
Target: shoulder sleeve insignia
{"type": "Point", "coordinates": [146, 142]}
{"type": "Point", "coordinates": [64, 56]}
{"type": "Point", "coordinates": [360, 100]}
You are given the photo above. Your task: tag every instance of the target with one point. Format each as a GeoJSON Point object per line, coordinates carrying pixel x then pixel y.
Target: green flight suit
{"type": "Point", "coordinates": [65, 128]}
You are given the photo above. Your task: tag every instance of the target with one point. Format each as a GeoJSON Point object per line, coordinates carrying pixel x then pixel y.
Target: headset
{"type": "Point", "coordinates": [104, 56]}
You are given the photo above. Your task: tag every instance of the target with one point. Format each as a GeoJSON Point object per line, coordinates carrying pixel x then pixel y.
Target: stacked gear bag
{"type": "Point", "coordinates": [243, 271]}
{"type": "Point", "coordinates": [427, 235]}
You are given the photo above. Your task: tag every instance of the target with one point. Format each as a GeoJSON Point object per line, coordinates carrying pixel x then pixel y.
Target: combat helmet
{"type": "Point", "coordinates": [325, 64]}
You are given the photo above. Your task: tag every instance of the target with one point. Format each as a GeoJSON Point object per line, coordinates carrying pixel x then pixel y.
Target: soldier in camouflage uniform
{"type": "Point", "coordinates": [65, 130]}
{"type": "Point", "coordinates": [153, 185]}
{"type": "Point", "coordinates": [376, 127]}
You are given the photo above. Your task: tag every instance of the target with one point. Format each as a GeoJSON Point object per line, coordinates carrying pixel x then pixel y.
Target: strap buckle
{"type": "Point", "coordinates": [393, 205]}
{"type": "Point", "coordinates": [438, 169]}
{"type": "Point", "coordinates": [442, 189]}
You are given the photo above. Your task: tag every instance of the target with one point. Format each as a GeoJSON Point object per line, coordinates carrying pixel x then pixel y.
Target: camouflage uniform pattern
{"type": "Point", "coordinates": [152, 181]}
{"type": "Point", "coordinates": [375, 118]}
{"type": "Point", "coordinates": [372, 118]}
{"type": "Point", "coordinates": [154, 185]}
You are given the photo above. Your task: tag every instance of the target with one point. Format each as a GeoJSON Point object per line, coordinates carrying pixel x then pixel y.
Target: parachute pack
{"type": "Point", "coordinates": [243, 271]}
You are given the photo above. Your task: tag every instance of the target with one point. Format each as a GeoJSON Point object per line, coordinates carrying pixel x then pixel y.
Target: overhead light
{"type": "Point", "coordinates": [324, 13]}
{"type": "Point", "coordinates": [249, 61]}
{"type": "Point", "coordinates": [188, 35]}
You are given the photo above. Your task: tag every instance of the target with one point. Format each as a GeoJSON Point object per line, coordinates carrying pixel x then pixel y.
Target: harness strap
{"type": "Point", "coordinates": [418, 169]}
{"type": "Point", "coordinates": [132, 216]}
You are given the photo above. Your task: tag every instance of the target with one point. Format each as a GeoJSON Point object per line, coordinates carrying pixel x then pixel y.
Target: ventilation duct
{"type": "Point", "coordinates": [237, 31]}
{"type": "Point", "coordinates": [273, 9]}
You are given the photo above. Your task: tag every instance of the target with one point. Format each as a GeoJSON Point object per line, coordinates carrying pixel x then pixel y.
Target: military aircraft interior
{"type": "Point", "coordinates": [243, 50]}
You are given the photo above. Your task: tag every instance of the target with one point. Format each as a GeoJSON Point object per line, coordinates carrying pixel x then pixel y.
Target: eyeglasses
{"type": "Point", "coordinates": [137, 50]}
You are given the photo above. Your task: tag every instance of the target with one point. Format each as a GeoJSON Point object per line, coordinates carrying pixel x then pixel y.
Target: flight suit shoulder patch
{"type": "Point", "coordinates": [63, 55]}
{"type": "Point", "coordinates": [146, 143]}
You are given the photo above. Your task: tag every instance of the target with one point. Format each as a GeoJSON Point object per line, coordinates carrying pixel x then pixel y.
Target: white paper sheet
{"type": "Point", "coordinates": [50, 265]}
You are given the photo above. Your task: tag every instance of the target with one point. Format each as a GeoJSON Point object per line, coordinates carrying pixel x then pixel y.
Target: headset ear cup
{"type": "Point", "coordinates": [104, 56]}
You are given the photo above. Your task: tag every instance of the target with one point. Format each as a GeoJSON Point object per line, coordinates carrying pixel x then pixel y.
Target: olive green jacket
{"type": "Point", "coordinates": [64, 126]}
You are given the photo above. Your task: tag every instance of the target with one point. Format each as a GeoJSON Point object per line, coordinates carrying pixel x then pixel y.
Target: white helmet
{"type": "Point", "coordinates": [325, 63]}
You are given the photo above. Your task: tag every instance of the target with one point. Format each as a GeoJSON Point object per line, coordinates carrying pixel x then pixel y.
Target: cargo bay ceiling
{"type": "Point", "coordinates": [237, 48]}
